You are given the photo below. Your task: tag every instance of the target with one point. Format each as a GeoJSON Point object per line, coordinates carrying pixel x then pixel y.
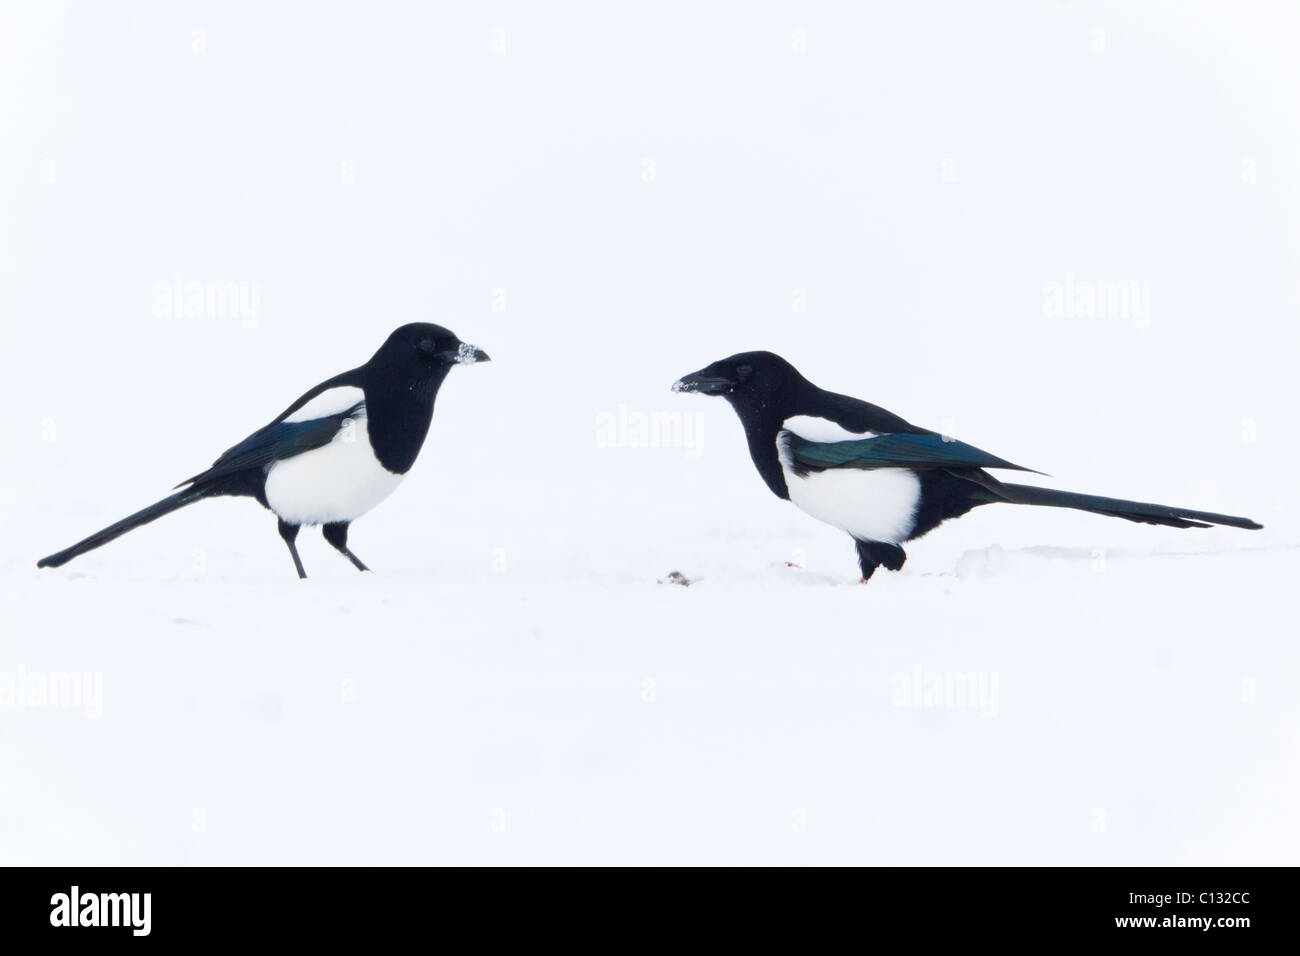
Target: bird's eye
{"type": "Point", "coordinates": [744, 371]}
{"type": "Point", "coordinates": [426, 345]}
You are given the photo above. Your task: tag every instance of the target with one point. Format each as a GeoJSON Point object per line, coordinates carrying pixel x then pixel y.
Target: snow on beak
{"type": "Point", "coordinates": [468, 354]}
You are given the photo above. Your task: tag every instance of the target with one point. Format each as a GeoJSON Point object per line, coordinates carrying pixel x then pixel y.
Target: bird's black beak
{"type": "Point", "coordinates": [465, 354]}
{"type": "Point", "coordinates": [704, 383]}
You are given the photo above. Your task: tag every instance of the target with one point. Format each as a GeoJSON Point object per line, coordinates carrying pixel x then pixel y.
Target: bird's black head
{"type": "Point", "coordinates": [765, 390]}
{"type": "Point", "coordinates": [421, 350]}
{"type": "Point", "coordinates": [401, 382]}
{"type": "Point", "coordinates": [750, 381]}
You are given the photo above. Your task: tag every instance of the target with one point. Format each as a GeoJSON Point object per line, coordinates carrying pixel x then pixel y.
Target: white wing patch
{"type": "Point", "coordinates": [877, 504]}
{"type": "Point", "coordinates": [337, 482]}
{"type": "Point", "coordinates": [812, 428]}
{"type": "Point", "coordinates": [332, 401]}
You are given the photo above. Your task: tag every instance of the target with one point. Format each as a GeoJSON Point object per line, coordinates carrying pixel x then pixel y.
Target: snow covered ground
{"type": "Point", "coordinates": [913, 207]}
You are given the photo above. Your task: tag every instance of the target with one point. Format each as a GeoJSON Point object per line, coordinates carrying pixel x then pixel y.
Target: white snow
{"type": "Point", "coordinates": [888, 199]}
{"type": "Point", "coordinates": [466, 354]}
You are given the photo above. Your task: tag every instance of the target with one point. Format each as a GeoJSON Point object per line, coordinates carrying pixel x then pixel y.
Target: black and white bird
{"type": "Point", "coordinates": [868, 472]}
{"type": "Point", "coordinates": [331, 456]}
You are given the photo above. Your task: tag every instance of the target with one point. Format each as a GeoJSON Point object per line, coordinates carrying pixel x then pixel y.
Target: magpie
{"type": "Point", "coordinates": [332, 455]}
{"type": "Point", "coordinates": [866, 471]}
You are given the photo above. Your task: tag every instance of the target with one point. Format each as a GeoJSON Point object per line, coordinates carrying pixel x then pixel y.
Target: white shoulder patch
{"type": "Point", "coordinates": [332, 401]}
{"type": "Point", "coordinates": [813, 428]}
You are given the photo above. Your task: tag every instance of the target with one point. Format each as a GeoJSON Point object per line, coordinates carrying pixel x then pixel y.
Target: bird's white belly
{"type": "Point", "coordinates": [877, 504]}
{"type": "Point", "coordinates": [337, 482]}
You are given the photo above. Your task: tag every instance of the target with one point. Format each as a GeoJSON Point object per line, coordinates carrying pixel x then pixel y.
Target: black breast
{"type": "Point", "coordinates": [398, 421]}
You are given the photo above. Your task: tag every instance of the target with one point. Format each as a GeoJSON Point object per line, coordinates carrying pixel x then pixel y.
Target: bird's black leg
{"type": "Point", "coordinates": [872, 554]}
{"type": "Point", "coordinates": [289, 532]}
{"type": "Point", "coordinates": [337, 535]}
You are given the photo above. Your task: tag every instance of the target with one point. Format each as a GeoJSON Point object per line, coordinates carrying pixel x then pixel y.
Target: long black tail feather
{"type": "Point", "coordinates": [143, 516]}
{"type": "Point", "coordinates": [1119, 508]}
